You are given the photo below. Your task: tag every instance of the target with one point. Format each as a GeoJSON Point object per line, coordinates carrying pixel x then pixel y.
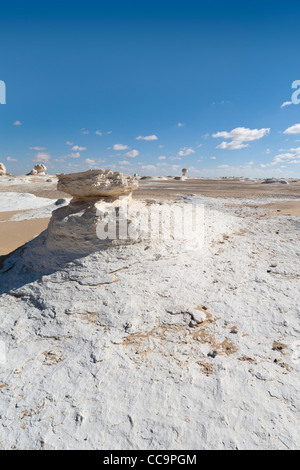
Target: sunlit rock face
{"type": "Point", "coordinates": [97, 183]}
{"type": "Point", "coordinates": [2, 169]}
{"type": "Point", "coordinates": [39, 169]}
{"type": "Point", "coordinates": [184, 172]}
{"type": "Point", "coordinates": [102, 214]}
{"type": "Point", "coordinates": [95, 216]}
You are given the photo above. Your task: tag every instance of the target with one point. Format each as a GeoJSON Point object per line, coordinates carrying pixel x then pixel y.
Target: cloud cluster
{"type": "Point", "coordinates": [132, 154]}
{"type": "Point", "coordinates": [120, 147]}
{"type": "Point", "coordinates": [239, 136]}
{"type": "Point", "coordinates": [147, 137]}
{"type": "Point", "coordinates": [76, 148]}
{"type": "Point", "coordinates": [290, 157]}
{"type": "Point", "coordinates": [42, 157]}
{"type": "Point", "coordinates": [38, 149]}
{"type": "Point", "coordinates": [185, 151]}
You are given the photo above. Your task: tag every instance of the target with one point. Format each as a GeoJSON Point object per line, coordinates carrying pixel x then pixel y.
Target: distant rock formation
{"type": "Point", "coordinates": [274, 180]}
{"type": "Point", "coordinates": [184, 172]}
{"type": "Point", "coordinates": [2, 169]}
{"type": "Point", "coordinates": [41, 169]}
{"type": "Point", "coordinates": [38, 170]}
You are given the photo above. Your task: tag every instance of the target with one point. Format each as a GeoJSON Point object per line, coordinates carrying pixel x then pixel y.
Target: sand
{"type": "Point", "coordinates": [228, 188]}
{"type": "Point", "coordinates": [219, 188]}
{"type": "Point", "coordinates": [16, 234]}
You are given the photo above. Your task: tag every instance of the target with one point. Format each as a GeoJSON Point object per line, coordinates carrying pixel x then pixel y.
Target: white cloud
{"type": "Point", "coordinates": [149, 167]}
{"type": "Point", "coordinates": [147, 137]}
{"type": "Point", "coordinates": [69, 143]}
{"type": "Point", "coordinates": [76, 148]}
{"type": "Point", "coordinates": [84, 131]}
{"type": "Point", "coordinates": [240, 135]}
{"type": "Point", "coordinates": [17, 123]}
{"type": "Point", "coordinates": [132, 154]}
{"type": "Point", "coordinates": [213, 158]}
{"type": "Point", "coordinates": [233, 145]}
{"type": "Point", "coordinates": [185, 152]}
{"type": "Point", "coordinates": [39, 149]}
{"type": "Point", "coordinates": [223, 166]}
{"type": "Point", "coordinates": [42, 157]}
{"type": "Point", "coordinates": [120, 147]}
{"type": "Point", "coordinates": [10, 159]}
{"type": "Point", "coordinates": [124, 162]}
{"type": "Point", "coordinates": [90, 161]}
{"type": "Point", "coordinates": [98, 133]}
{"type": "Point", "coordinates": [74, 155]}
{"type": "Point", "coordinates": [162, 158]}
{"type": "Point", "coordinates": [293, 129]}
{"type": "Point", "coordinates": [180, 124]}
{"type": "Point", "coordinates": [174, 158]}
{"type": "Point", "coordinates": [290, 157]}
{"type": "Point", "coordinates": [286, 103]}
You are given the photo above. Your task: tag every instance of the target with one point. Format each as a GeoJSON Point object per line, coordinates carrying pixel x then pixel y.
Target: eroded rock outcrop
{"type": "Point", "coordinates": [184, 172]}
{"type": "Point", "coordinates": [96, 215]}
{"type": "Point", "coordinates": [102, 214]}
{"type": "Point", "coordinates": [32, 173]}
{"type": "Point", "coordinates": [96, 184]}
{"type": "Point", "coordinates": [2, 169]}
{"type": "Point", "coordinates": [39, 169]}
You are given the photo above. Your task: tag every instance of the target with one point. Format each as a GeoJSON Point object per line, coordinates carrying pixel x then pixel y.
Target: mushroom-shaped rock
{"type": "Point", "coordinates": [184, 172]}
{"type": "Point", "coordinates": [103, 215]}
{"type": "Point", "coordinates": [40, 169]}
{"type": "Point", "coordinates": [2, 169]}
{"type": "Point", "coordinates": [97, 184]}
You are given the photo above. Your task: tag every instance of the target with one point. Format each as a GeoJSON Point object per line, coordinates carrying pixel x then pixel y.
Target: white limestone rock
{"type": "Point", "coordinates": [40, 169]}
{"type": "Point", "coordinates": [32, 173]}
{"type": "Point", "coordinates": [97, 184]}
{"type": "Point", "coordinates": [2, 169]}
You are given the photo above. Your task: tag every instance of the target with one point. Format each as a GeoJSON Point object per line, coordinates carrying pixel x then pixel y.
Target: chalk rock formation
{"type": "Point", "coordinates": [97, 184]}
{"type": "Point", "coordinates": [40, 169]}
{"type": "Point", "coordinates": [96, 215]}
{"type": "Point", "coordinates": [32, 173]}
{"type": "Point", "coordinates": [2, 170]}
{"type": "Point", "coordinates": [274, 180]}
{"type": "Point", "coordinates": [102, 214]}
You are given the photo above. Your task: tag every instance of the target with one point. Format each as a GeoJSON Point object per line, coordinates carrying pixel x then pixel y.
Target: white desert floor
{"type": "Point", "coordinates": [147, 347]}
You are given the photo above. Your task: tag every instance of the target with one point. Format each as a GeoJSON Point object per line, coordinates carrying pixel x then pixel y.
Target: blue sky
{"type": "Point", "coordinates": [151, 86]}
